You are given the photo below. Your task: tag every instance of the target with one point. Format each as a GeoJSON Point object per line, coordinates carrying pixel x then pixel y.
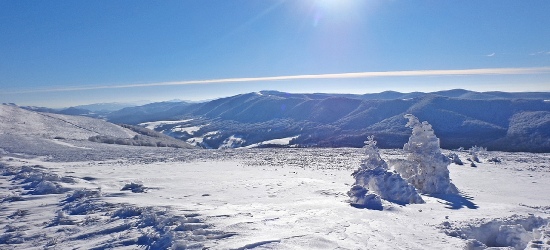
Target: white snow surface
{"type": "Point", "coordinates": [190, 130]}
{"type": "Point", "coordinates": [17, 121]}
{"type": "Point", "coordinates": [250, 199]}
{"type": "Point", "coordinates": [156, 124]}
{"type": "Point", "coordinates": [279, 141]}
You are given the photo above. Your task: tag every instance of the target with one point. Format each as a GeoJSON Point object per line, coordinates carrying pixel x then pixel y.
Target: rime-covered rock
{"type": "Point", "coordinates": [425, 167]}
{"type": "Point", "coordinates": [455, 159]}
{"type": "Point", "coordinates": [374, 182]}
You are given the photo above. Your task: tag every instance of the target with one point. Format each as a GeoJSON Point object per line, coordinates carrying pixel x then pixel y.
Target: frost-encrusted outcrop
{"type": "Point", "coordinates": [374, 182]}
{"type": "Point", "coordinates": [425, 167]}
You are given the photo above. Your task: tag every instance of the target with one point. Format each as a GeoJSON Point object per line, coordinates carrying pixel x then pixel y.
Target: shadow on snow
{"type": "Point", "coordinates": [456, 201]}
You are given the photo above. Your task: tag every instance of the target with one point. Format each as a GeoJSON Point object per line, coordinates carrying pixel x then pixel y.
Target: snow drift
{"type": "Point", "coordinates": [517, 232]}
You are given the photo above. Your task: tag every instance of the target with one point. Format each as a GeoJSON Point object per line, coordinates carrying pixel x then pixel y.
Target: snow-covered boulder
{"type": "Point", "coordinates": [48, 187]}
{"type": "Point", "coordinates": [373, 182]}
{"type": "Point", "coordinates": [425, 167]}
{"type": "Point", "coordinates": [455, 159]}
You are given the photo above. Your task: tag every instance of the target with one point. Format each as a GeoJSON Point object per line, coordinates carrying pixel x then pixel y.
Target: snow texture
{"type": "Point", "coordinates": [14, 120]}
{"type": "Point", "coordinates": [280, 141]}
{"type": "Point", "coordinates": [426, 167]}
{"type": "Point", "coordinates": [183, 129]}
{"type": "Point", "coordinates": [246, 198]}
{"type": "Point", "coordinates": [374, 182]}
{"type": "Point", "coordinates": [517, 232]}
{"type": "Point", "coordinates": [156, 124]}
{"type": "Point", "coordinates": [84, 218]}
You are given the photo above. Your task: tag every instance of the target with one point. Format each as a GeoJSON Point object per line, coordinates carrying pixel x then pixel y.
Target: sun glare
{"type": "Point", "coordinates": [337, 5]}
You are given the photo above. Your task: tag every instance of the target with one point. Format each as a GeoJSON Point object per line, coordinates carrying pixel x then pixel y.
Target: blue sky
{"type": "Point", "coordinates": [62, 53]}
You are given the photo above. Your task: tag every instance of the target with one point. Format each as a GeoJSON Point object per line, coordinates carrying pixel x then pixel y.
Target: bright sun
{"type": "Point", "coordinates": [336, 5]}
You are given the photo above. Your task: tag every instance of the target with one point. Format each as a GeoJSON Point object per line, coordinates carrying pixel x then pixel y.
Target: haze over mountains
{"type": "Point", "coordinates": [461, 118]}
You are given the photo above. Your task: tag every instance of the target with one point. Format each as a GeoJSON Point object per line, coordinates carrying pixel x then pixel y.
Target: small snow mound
{"type": "Point", "coordinates": [541, 238]}
{"type": "Point", "coordinates": [455, 159]}
{"type": "Point", "coordinates": [374, 182]}
{"type": "Point", "coordinates": [360, 197]}
{"type": "Point", "coordinates": [515, 232]}
{"type": "Point", "coordinates": [83, 194]}
{"type": "Point", "coordinates": [513, 235]}
{"type": "Point", "coordinates": [134, 187]}
{"type": "Point", "coordinates": [474, 245]}
{"type": "Point", "coordinates": [83, 202]}
{"type": "Point", "coordinates": [48, 187]}
{"type": "Point", "coordinates": [162, 230]}
{"type": "Point", "coordinates": [40, 182]}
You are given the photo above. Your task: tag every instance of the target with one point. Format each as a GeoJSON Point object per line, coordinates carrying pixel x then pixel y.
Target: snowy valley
{"type": "Point", "coordinates": [496, 120]}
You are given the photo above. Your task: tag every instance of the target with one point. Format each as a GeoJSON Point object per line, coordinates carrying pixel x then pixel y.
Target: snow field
{"type": "Point", "coordinates": [268, 198]}
{"type": "Point", "coordinates": [280, 141]}
{"type": "Point", "coordinates": [155, 124]}
{"type": "Point", "coordinates": [70, 216]}
{"type": "Point", "coordinates": [17, 121]}
{"type": "Point", "coordinates": [517, 232]}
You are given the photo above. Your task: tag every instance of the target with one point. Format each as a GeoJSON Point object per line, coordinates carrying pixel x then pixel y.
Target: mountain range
{"type": "Point", "coordinates": [461, 118]}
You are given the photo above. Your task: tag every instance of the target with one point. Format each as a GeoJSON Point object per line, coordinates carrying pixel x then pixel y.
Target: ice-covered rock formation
{"type": "Point", "coordinates": [374, 182]}
{"type": "Point", "coordinates": [426, 167]}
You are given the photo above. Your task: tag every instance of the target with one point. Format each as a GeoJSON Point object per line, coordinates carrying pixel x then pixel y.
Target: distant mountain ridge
{"type": "Point", "coordinates": [461, 118]}
{"type": "Point", "coordinates": [109, 107]}
{"type": "Point", "coordinates": [455, 93]}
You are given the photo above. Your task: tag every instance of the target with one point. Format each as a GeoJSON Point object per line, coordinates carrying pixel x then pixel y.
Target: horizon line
{"type": "Point", "coordinates": [368, 74]}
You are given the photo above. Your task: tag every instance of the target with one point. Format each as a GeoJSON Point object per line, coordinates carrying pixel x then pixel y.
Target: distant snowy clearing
{"type": "Point", "coordinates": [280, 141]}
{"type": "Point", "coordinates": [156, 124]}
{"type": "Point", "coordinates": [190, 130]}
{"type": "Point", "coordinates": [255, 198]}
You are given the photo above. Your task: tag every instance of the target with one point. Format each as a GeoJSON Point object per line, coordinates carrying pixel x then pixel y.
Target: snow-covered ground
{"type": "Point", "coordinates": [190, 130]}
{"type": "Point", "coordinates": [251, 198]}
{"type": "Point", "coordinates": [17, 121]}
{"type": "Point", "coordinates": [156, 124]}
{"type": "Point", "coordinates": [281, 141]}
{"type": "Point", "coordinates": [59, 190]}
